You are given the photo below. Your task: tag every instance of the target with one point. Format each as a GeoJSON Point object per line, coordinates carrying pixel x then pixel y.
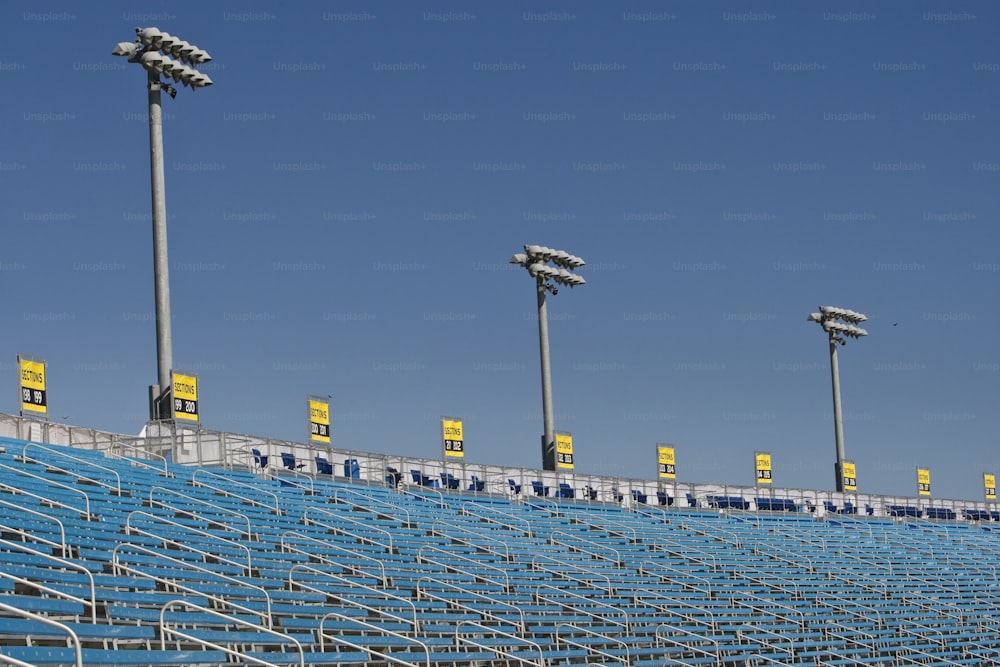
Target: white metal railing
{"type": "Point", "coordinates": [85, 512]}
{"type": "Point", "coordinates": [216, 448]}
{"type": "Point", "coordinates": [174, 583]}
{"type": "Point", "coordinates": [202, 472]}
{"type": "Point", "coordinates": [115, 488]}
{"type": "Point", "coordinates": [286, 547]}
{"type": "Point", "coordinates": [73, 639]}
{"type": "Point", "coordinates": [194, 515]}
{"type": "Point", "coordinates": [343, 531]}
{"type": "Point", "coordinates": [27, 534]}
{"type": "Point", "coordinates": [169, 631]}
{"type": "Point", "coordinates": [131, 529]}
{"type": "Point", "coordinates": [48, 590]}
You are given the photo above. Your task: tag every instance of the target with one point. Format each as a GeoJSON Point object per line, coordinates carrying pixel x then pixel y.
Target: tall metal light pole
{"type": "Point", "coordinates": [153, 50]}
{"type": "Point", "coordinates": [838, 323]}
{"type": "Point", "coordinates": [535, 259]}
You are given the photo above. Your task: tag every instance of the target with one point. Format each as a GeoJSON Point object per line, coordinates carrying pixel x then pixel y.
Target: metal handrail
{"type": "Point", "coordinates": [166, 629]}
{"type": "Point", "coordinates": [383, 577]}
{"type": "Point", "coordinates": [77, 459]}
{"type": "Point", "coordinates": [73, 638]}
{"type": "Point", "coordinates": [16, 489]}
{"type": "Point", "coordinates": [70, 565]}
{"type": "Point", "coordinates": [248, 567]}
{"type": "Point", "coordinates": [117, 566]}
{"type": "Point", "coordinates": [251, 501]}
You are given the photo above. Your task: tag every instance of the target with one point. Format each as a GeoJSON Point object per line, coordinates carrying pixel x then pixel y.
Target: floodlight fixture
{"type": "Point", "coordinates": [535, 260]}
{"type": "Point", "coordinates": [200, 80]}
{"type": "Point", "coordinates": [559, 257]}
{"type": "Point", "coordinates": [151, 60]}
{"type": "Point", "coordinates": [839, 325]}
{"type": "Point", "coordinates": [156, 50]}
{"type": "Point", "coordinates": [198, 56]}
{"type": "Point", "coordinates": [149, 37]}
{"type": "Point", "coordinates": [167, 41]}
{"type": "Point", "coordinates": [181, 49]}
{"type": "Point", "coordinates": [127, 49]}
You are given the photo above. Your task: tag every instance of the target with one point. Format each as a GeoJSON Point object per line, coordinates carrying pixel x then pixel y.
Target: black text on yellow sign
{"type": "Point", "coordinates": [923, 482]}
{"type": "Point", "coordinates": [849, 473]}
{"type": "Point", "coordinates": [34, 396]}
{"type": "Point", "coordinates": [185, 394]}
{"type": "Point", "coordinates": [762, 462]}
{"type": "Point", "coordinates": [990, 484]}
{"type": "Point", "coordinates": [665, 463]}
{"type": "Point", "coordinates": [564, 451]}
{"type": "Point", "coordinates": [319, 421]}
{"type": "Point", "coordinates": [454, 439]}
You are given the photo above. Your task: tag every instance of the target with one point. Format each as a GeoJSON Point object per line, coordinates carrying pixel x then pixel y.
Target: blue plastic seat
{"type": "Point", "coordinates": [288, 460]}
{"type": "Point", "coordinates": [259, 459]}
{"type": "Point", "coordinates": [323, 466]}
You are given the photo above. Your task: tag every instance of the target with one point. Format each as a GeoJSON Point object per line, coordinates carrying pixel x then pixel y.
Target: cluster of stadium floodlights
{"type": "Point", "coordinates": [535, 258]}
{"type": "Point", "coordinates": [146, 51]}
{"type": "Point", "coordinates": [828, 317]}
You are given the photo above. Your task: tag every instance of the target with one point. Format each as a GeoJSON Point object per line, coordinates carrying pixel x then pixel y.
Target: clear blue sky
{"type": "Point", "coordinates": [343, 202]}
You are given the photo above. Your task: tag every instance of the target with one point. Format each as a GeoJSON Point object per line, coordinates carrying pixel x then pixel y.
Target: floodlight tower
{"type": "Point", "coordinates": [839, 324]}
{"type": "Point", "coordinates": [153, 50]}
{"type": "Point", "coordinates": [535, 259]}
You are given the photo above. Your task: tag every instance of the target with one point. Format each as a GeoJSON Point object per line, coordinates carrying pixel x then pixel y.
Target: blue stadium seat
{"type": "Point", "coordinates": [259, 459]}
{"type": "Point", "coordinates": [539, 488]}
{"type": "Point", "coordinates": [476, 484]}
{"type": "Point", "coordinates": [288, 460]}
{"type": "Point", "coordinates": [323, 467]}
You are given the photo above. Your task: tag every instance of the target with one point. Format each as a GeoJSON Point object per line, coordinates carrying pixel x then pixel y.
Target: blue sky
{"type": "Point", "coordinates": [343, 201]}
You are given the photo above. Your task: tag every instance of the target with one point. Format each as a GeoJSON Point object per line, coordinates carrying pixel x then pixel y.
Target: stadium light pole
{"type": "Point", "coordinates": [535, 259]}
{"type": "Point", "coordinates": [152, 49]}
{"type": "Point", "coordinates": [839, 324]}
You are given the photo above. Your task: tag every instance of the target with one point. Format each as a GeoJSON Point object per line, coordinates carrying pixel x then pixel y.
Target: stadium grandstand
{"type": "Point", "coordinates": [208, 548]}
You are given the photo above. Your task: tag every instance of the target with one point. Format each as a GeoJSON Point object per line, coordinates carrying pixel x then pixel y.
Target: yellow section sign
{"type": "Point", "coordinates": [990, 484]}
{"type": "Point", "coordinates": [185, 395]}
{"type": "Point", "coordinates": [923, 482]}
{"type": "Point", "coordinates": [34, 396]}
{"type": "Point", "coordinates": [453, 438]}
{"type": "Point", "coordinates": [319, 420]}
{"type": "Point", "coordinates": [849, 473]}
{"type": "Point", "coordinates": [564, 451]}
{"type": "Point", "coordinates": [665, 463]}
{"type": "Point", "coordinates": [762, 463]}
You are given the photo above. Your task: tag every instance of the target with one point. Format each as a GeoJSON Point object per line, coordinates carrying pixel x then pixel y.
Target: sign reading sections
{"type": "Point", "coordinates": [34, 396]}
{"type": "Point", "coordinates": [923, 481]}
{"type": "Point", "coordinates": [453, 437]}
{"type": "Point", "coordinates": [319, 419]}
{"type": "Point", "coordinates": [762, 464]}
{"type": "Point", "coordinates": [990, 484]}
{"type": "Point", "coordinates": [564, 451]}
{"type": "Point", "coordinates": [665, 464]}
{"type": "Point", "coordinates": [185, 395]}
{"type": "Point", "coordinates": [849, 473]}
